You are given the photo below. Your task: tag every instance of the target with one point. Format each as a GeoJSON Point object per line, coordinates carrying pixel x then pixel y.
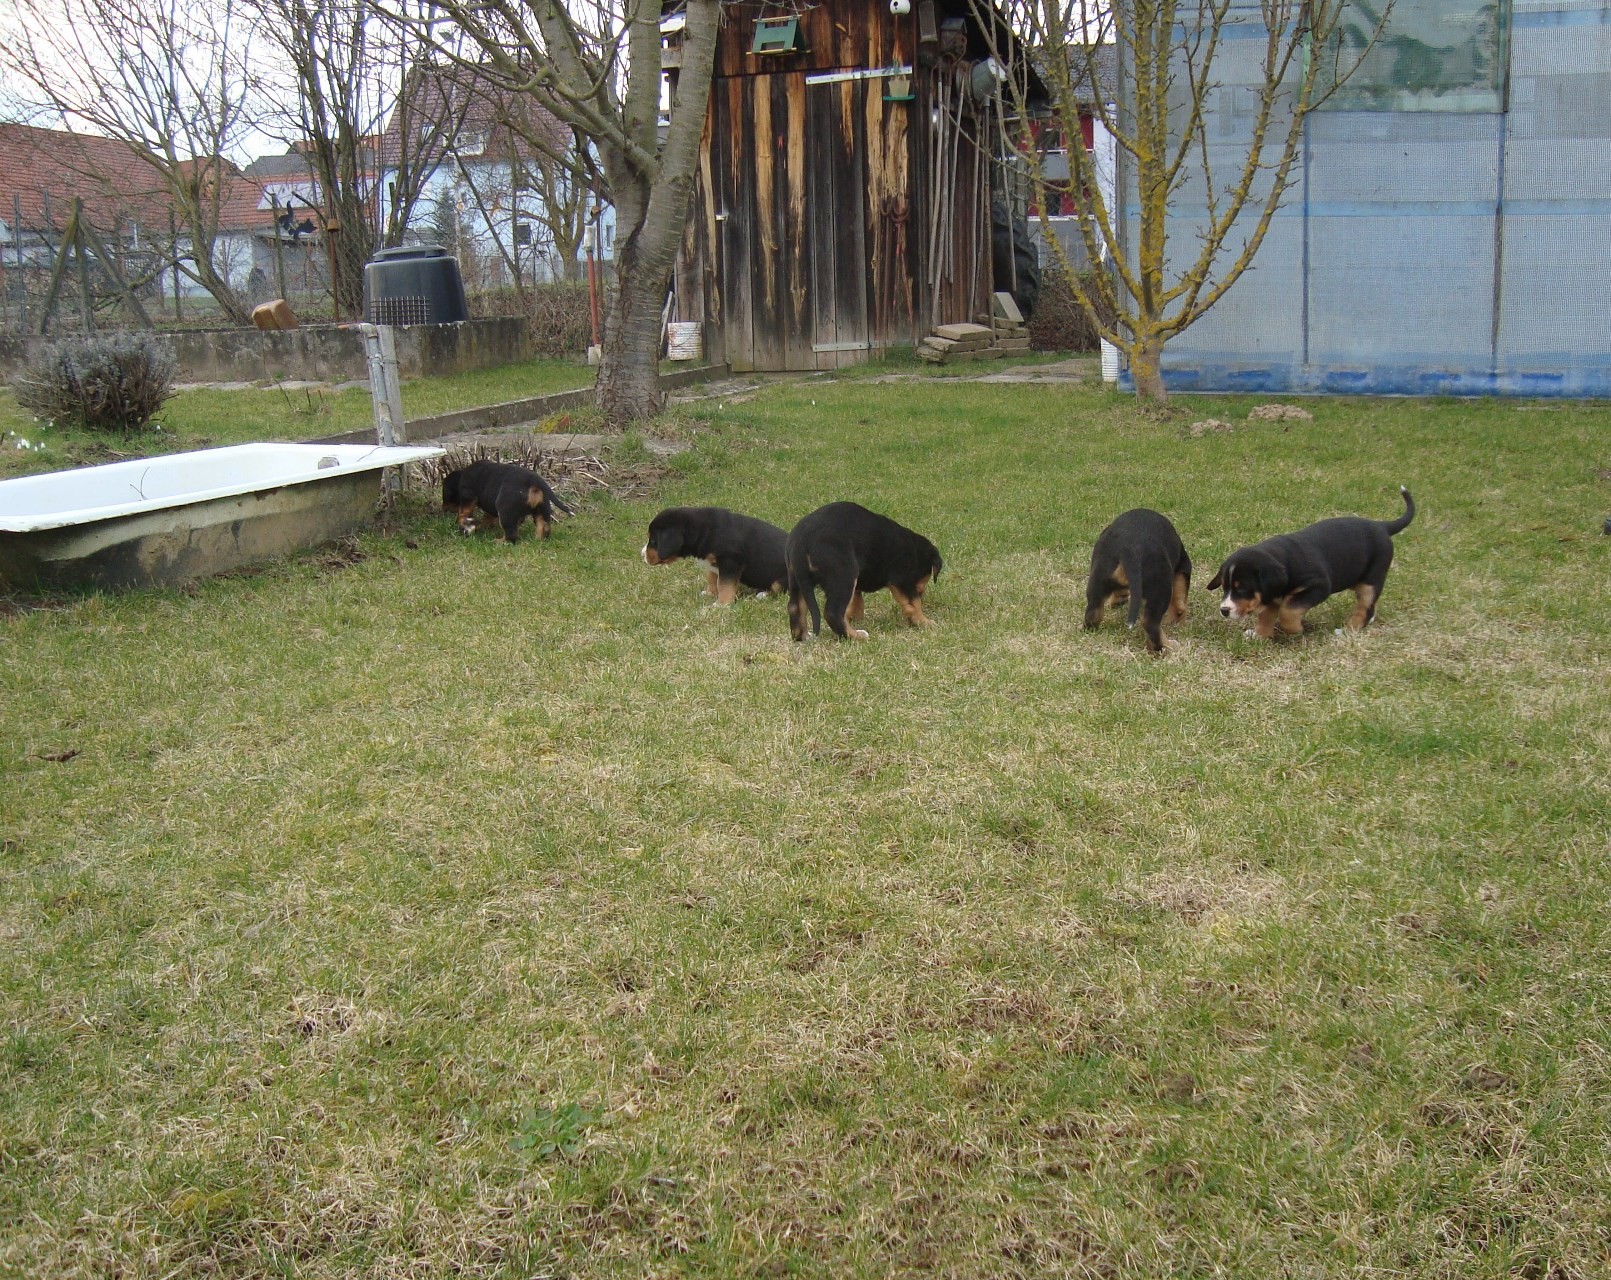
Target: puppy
{"type": "Point", "coordinates": [501, 489]}
{"type": "Point", "coordinates": [1280, 579]}
{"type": "Point", "coordinates": [1139, 558]}
{"type": "Point", "coordinates": [848, 551]}
{"type": "Point", "coordinates": [740, 550]}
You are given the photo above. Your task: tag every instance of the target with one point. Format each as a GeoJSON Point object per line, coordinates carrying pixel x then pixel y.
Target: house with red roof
{"type": "Point", "coordinates": [44, 171]}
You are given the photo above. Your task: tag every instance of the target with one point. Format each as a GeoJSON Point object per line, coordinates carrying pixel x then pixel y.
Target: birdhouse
{"type": "Point", "coordinates": [777, 35]}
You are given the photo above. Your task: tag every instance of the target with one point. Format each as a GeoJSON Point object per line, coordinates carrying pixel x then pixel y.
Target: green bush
{"type": "Point", "coordinates": [112, 382]}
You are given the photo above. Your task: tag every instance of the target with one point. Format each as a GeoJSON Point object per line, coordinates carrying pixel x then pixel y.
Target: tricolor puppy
{"type": "Point", "coordinates": [740, 550]}
{"type": "Point", "coordinates": [1139, 558]}
{"type": "Point", "coordinates": [503, 490]}
{"type": "Point", "coordinates": [1280, 579]}
{"type": "Point", "coordinates": [848, 551]}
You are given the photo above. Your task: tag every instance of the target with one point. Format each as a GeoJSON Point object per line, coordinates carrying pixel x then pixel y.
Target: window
{"type": "Point", "coordinates": [1432, 55]}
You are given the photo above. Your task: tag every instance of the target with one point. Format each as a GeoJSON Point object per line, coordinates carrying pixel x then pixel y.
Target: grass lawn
{"type": "Point", "coordinates": [202, 416]}
{"type": "Point", "coordinates": [477, 910]}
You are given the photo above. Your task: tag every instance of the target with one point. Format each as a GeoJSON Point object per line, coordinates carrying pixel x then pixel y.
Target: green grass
{"type": "Point", "coordinates": [507, 912]}
{"type": "Point", "coordinates": [202, 416]}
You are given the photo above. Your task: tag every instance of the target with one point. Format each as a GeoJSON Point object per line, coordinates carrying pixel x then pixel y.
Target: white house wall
{"type": "Point", "coordinates": [489, 238]}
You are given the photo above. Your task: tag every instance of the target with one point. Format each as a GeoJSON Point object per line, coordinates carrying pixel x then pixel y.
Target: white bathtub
{"type": "Point", "coordinates": [161, 521]}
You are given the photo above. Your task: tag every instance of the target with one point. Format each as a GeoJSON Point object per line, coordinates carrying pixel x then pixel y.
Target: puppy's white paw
{"type": "Point", "coordinates": [856, 633]}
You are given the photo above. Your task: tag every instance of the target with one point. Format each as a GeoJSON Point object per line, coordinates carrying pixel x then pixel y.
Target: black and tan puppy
{"type": "Point", "coordinates": [1280, 579]}
{"type": "Point", "coordinates": [848, 551]}
{"type": "Point", "coordinates": [1139, 558]}
{"type": "Point", "coordinates": [503, 490]}
{"type": "Point", "coordinates": [740, 550]}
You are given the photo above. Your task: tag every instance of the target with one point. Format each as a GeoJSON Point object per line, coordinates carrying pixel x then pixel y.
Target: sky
{"type": "Point", "coordinates": [18, 100]}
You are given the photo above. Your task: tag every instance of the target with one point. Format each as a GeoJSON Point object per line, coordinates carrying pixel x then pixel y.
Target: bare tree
{"type": "Point", "coordinates": [344, 68]}
{"type": "Point", "coordinates": [563, 187]}
{"type": "Point", "coordinates": [507, 158]}
{"type": "Point", "coordinates": [165, 79]}
{"type": "Point", "coordinates": [598, 69]}
{"type": "Point", "coordinates": [1159, 117]}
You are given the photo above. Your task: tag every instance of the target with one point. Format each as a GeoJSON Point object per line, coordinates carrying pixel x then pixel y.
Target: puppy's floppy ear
{"type": "Point", "coordinates": [668, 542]}
{"type": "Point", "coordinates": [1218, 580]}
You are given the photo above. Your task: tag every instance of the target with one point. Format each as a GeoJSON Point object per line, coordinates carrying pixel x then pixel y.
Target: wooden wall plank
{"type": "Point", "coordinates": [706, 251]}
{"type": "Point", "coordinates": [849, 193]}
{"type": "Point", "coordinates": [795, 339]}
{"type": "Point", "coordinates": [736, 202]}
{"type": "Point", "coordinates": [764, 247]}
{"type": "Point", "coordinates": [822, 157]}
{"type": "Point", "coordinates": [921, 155]}
{"type": "Point", "coordinates": [888, 203]}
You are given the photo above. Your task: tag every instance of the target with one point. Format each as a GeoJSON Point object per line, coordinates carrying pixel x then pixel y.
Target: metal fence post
{"type": "Point", "coordinates": [22, 276]}
{"type": "Point", "coordinates": [386, 392]}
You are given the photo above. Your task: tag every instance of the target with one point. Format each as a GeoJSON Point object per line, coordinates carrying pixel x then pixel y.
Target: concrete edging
{"type": "Point", "coordinates": [508, 413]}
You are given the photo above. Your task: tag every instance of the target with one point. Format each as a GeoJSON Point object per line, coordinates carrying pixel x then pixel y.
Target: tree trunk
{"type": "Point", "coordinates": [628, 386]}
{"type": "Point", "coordinates": [229, 302]}
{"type": "Point", "coordinates": [351, 253]}
{"type": "Point", "coordinates": [1146, 367]}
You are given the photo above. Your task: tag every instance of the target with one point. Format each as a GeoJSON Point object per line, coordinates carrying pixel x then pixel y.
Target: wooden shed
{"type": "Point", "coordinates": [844, 200]}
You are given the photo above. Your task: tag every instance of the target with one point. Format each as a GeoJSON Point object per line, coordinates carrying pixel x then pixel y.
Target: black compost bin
{"type": "Point", "coordinates": [414, 284]}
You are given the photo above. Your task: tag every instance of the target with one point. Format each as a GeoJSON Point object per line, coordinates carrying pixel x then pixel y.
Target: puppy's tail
{"type": "Point", "coordinates": [799, 582]}
{"type": "Point", "coordinates": [547, 491]}
{"type": "Point", "coordinates": [1403, 521]}
{"type": "Point", "coordinates": [1133, 572]}
{"type": "Point", "coordinates": [1135, 608]}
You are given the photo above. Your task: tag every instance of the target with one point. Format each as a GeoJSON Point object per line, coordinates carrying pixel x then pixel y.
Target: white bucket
{"type": "Point", "coordinates": [682, 340]}
{"type": "Point", "coordinates": [1110, 361]}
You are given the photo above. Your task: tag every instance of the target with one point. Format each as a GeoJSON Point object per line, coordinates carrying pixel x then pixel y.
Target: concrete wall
{"type": "Point", "coordinates": [322, 353]}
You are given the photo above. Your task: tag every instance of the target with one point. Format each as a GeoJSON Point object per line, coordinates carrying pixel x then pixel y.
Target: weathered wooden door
{"type": "Point", "coordinates": [841, 270]}
{"type": "Point", "coordinates": [791, 211]}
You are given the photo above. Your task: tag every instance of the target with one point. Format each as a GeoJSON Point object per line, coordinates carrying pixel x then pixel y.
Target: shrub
{"type": "Point", "coordinates": [113, 382]}
{"type": "Point", "coordinates": [1059, 322]}
{"type": "Point", "coordinates": [560, 317]}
